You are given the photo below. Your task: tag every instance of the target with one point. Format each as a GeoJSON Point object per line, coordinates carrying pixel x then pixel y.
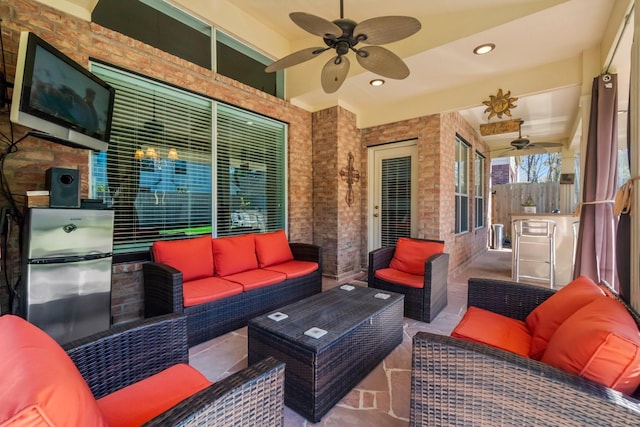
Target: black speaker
{"type": "Point", "coordinates": [64, 187]}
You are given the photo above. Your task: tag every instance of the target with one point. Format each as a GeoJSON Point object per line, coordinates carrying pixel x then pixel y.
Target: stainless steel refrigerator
{"type": "Point", "coordinates": [66, 288]}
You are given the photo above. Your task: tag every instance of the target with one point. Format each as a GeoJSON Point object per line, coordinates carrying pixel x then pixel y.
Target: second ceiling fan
{"type": "Point", "coordinates": [343, 35]}
{"type": "Point", "coordinates": [522, 146]}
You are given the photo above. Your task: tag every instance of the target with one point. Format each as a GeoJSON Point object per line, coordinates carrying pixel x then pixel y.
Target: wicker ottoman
{"type": "Point", "coordinates": [362, 327]}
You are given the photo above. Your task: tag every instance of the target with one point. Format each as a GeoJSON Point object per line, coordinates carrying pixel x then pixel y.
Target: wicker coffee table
{"type": "Point", "coordinates": [358, 327]}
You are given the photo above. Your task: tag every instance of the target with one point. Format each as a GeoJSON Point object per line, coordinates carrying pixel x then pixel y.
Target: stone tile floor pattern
{"type": "Point", "coordinates": [382, 398]}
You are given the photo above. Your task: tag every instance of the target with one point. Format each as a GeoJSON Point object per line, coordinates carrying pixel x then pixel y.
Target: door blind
{"type": "Point", "coordinates": [396, 200]}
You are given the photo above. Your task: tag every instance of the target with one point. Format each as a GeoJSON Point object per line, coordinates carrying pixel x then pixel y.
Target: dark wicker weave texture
{"type": "Point", "coordinates": [455, 382]}
{"type": "Point", "coordinates": [424, 303]}
{"type": "Point", "coordinates": [362, 331]}
{"type": "Point", "coordinates": [163, 294]}
{"type": "Point", "coordinates": [129, 353]}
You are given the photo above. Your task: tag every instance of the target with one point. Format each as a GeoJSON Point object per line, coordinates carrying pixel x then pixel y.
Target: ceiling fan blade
{"type": "Point", "coordinates": [295, 58]}
{"type": "Point", "coordinates": [315, 25]}
{"type": "Point", "coordinates": [383, 62]}
{"type": "Point", "coordinates": [333, 74]}
{"type": "Point", "coordinates": [387, 29]}
{"type": "Point", "coordinates": [546, 144]}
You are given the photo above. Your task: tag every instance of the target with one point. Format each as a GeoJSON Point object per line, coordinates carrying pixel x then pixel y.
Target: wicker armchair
{"type": "Point", "coordinates": [424, 303]}
{"type": "Point", "coordinates": [457, 382]}
{"type": "Point", "coordinates": [131, 352]}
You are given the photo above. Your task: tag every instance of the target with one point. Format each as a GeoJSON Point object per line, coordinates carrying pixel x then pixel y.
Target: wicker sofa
{"type": "Point", "coordinates": [221, 283]}
{"type": "Point", "coordinates": [132, 374]}
{"type": "Point", "coordinates": [458, 382]}
{"type": "Point", "coordinates": [424, 285]}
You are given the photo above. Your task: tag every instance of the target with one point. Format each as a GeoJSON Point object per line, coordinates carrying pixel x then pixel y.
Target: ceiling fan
{"type": "Point", "coordinates": [343, 35]}
{"type": "Point", "coordinates": [522, 146]}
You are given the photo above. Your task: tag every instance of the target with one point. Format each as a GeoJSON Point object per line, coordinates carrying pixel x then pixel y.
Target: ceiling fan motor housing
{"type": "Point", "coordinates": [346, 41]}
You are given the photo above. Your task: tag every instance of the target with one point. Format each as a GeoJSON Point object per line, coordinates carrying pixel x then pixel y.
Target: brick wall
{"type": "Point", "coordinates": [337, 226]}
{"type": "Point", "coordinates": [81, 40]}
{"type": "Point", "coordinates": [318, 147]}
{"type": "Point", "coordinates": [500, 174]}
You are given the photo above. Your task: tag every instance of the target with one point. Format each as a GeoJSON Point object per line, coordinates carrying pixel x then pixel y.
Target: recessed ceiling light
{"type": "Point", "coordinates": [376, 82]}
{"type": "Point", "coordinates": [484, 48]}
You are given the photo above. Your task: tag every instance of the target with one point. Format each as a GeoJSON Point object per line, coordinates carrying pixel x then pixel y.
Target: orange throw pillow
{"type": "Point", "coordinates": [234, 254]}
{"type": "Point", "coordinates": [600, 342]}
{"type": "Point", "coordinates": [410, 255]}
{"type": "Point", "coordinates": [193, 257]}
{"type": "Point", "coordinates": [486, 327]}
{"type": "Point", "coordinates": [545, 319]}
{"type": "Point", "coordinates": [272, 248]}
{"type": "Point", "coordinates": [40, 384]}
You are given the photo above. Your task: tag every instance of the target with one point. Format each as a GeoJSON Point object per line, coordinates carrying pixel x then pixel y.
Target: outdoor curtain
{"type": "Point", "coordinates": [595, 251]}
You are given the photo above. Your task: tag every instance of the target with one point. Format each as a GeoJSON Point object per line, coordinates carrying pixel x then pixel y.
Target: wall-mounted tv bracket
{"type": "Point", "coordinates": [4, 93]}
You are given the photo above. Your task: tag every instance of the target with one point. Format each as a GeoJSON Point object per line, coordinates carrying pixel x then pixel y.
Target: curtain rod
{"type": "Point", "coordinates": [615, 49]}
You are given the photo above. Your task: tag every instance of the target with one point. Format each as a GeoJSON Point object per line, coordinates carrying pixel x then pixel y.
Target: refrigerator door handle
{"type": "Point", "coordinates": [67, 259]}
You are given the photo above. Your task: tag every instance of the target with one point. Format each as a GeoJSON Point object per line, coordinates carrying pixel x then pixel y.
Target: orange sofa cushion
{"type": "Point", "coordinates": [294, 268]}
{"type": "Point", "coordinates": [545, 319]}
{"type": "Point", "coordinates": [272, 248]}
{"type": "Point", "coordinates": [201, 291]}
{"type": "Point", "coordinates": [257, 278]}
{"type": "Point", "coordinates": [410, 255]}
{"type": "Point", "coordinates": [486, 327]}
{"type": "Point", "coordinates": [234, 254]}
{"type": "Point", "coordinates": [600, 342]}
{"type": "Point", "coordinates": [193, 257]}
{"type": "Point", "coordinates": [138, 403]}
{"type": "Point", "coordinates": [40, 384]}
{"type": "Point", "coordinates": [400, 277]}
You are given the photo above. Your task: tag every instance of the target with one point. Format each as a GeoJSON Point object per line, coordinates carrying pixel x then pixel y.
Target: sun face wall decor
{"type": "Point", "coordinates": [499, 104]}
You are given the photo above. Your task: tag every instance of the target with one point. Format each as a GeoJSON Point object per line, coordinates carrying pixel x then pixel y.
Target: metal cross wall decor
{"type": "Point", "coordinates": [349, 174]}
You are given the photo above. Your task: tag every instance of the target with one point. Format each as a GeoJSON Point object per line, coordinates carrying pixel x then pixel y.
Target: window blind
{"type": "Point", "coordinates": [461, 186]}
{"type": "Point", "coordinates": [479, 190]}
{"type": "Point", "coordinates": [157, 172]}
{"type": "Point", "coordinates": [395, 220]}
{"type": "Point", "coordinates": [251, 172]}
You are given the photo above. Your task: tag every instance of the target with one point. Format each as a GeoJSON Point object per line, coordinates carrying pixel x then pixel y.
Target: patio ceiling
{"type": "Point", "coordinates": [547, 52]}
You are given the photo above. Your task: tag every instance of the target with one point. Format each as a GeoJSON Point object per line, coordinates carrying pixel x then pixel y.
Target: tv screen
{"type": "Point", "coordinates": [57, 96]}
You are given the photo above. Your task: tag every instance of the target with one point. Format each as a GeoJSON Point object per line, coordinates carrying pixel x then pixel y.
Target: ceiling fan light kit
{"type": "Point", "coordinates": [343, 35]}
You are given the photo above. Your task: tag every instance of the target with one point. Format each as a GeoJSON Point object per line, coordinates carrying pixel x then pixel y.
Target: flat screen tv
{"type": "Point", "coordinates": [57, 96]}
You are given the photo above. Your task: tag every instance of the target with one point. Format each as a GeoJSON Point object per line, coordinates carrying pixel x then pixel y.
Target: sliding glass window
{"type": "Point", "coordinates": [157, 174]}
{"type": "Point", "coordinates": [250, 181]}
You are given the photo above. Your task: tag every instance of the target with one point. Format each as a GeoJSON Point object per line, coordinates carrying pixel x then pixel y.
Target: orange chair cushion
{"type": "Point", "coordinates": [39, 383]}
{"type": "Point", "coordinates": [201, 291]}
{"type": "Point", "coordinates": [193, 257]}
{"type": "Point", "coordinates": [400, 277]}
{"type": "Point", "coordinates": [140, 402]}
{"type": "Point", "coordinates": [234, 254]}
{"type": "Point", "coordinates": [257, 278]}
{"type": "Point", "coordinates": [486, 327]}
{"type": "Point", "coordinates": [410, 255]}
{"type": "Point", "coordinates": [272, 248]}
{"type": "Point", "coordinates": [545, 319]}
{"type": "Point", "coordinates": [600, 342]}
{"type": "Point", "coordinates": [294, 268]}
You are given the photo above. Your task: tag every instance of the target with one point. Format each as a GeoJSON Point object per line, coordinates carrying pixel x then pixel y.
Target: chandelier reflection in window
{"type": "Point", "coordinates": [150, 154]}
